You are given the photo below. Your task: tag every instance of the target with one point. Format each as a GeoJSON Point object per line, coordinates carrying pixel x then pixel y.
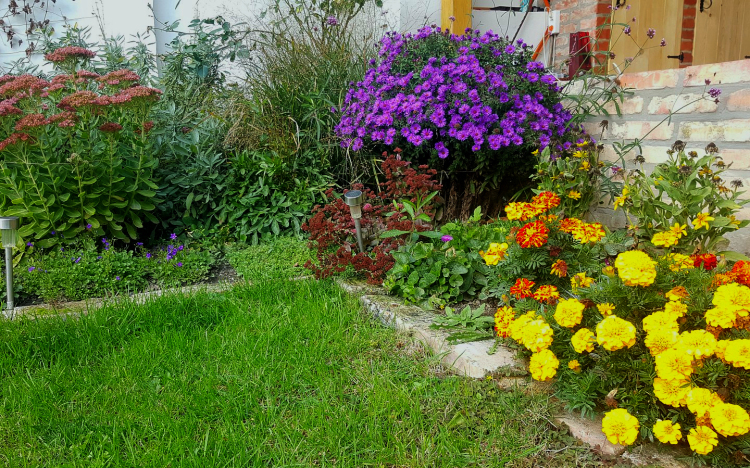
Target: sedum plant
{"type": "Point", "coordinates": [684, 205]}
{"type": "Point", "coordinates": [75, 153]}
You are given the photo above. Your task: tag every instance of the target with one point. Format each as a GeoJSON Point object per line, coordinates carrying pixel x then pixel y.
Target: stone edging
{"type": "Point", "coordinates": [472, 360]}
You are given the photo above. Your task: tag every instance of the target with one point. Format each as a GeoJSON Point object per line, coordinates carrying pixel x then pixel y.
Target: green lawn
{"type": "Point", "coordinates": [285, 373]}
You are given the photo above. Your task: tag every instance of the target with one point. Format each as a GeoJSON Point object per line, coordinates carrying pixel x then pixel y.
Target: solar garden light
{"type": "Point", "coordinates": [355, 199]}
{"type": "Point", "coordinates": [9, 237]}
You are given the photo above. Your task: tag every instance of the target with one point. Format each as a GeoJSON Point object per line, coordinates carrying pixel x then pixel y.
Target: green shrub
{"type": "Point", "coordinates": [282, 257]}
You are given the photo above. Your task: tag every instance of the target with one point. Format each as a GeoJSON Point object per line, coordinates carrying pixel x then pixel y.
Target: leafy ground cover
{"type": "Point", "coordinates": [280, 257]}
{"type": "Point", "coordinates": [286, 373]}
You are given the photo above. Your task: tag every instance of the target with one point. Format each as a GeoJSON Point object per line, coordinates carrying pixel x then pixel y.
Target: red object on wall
{"type": "Point", "coordinates": [580, 53]}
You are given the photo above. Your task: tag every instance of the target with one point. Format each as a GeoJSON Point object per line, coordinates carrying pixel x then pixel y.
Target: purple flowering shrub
{"type": "Point", "coordinates": [474, 102]}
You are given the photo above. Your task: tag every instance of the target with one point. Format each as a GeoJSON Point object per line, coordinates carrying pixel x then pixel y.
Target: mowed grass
{"type": "Point", "coordinates": [282, 374]}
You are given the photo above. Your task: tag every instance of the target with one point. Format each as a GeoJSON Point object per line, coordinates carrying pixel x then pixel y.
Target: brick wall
{"type": "Point", "coordinates": [697, 123]}
{"type": "Point", "coordinates": [580, 15]}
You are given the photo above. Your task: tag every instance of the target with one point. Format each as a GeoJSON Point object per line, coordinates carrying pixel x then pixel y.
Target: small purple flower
{"type": "Point", "coordinates": [446, 238]}
{"type": "Point", "coordinates": [29, 244]}
{"type": "Point", "coordinates": [31, 268]}
{"type": "Point", "coordinates": [53, 233]}
{"type": "Point", "coordinates": [714, 92]}
{"type": "Point", "coordinates": [707, 81]}
{"type": "Point", "coordinates": [117, 278]}
{"type": "Point", "coordinates": [62, 249]}
{"type": "Point", "coordinates": [626, 30]}
{"type": "Point", "coordinates": [76, 260]}
{"type": "Point", "coordinates": [180, 248]}
{"type": "Point", "coordinates": [651, 33]}
{"type": "Point", "coordinates": [99, 257]}
{"type": "Point", "coordinates": [139, 244]}
{"type": "Point", "coordinates": [452, 18]}
{"type": "Point", "coordinates": [332, 21]}
{"type": "Point", "coordinates": [333, 110]}
{"type": "Point", "coordinates": [89, 226]}
{"type": "Point", "coordinates": [663, 42]}
{"type": "Point", "coordinates": [148, 255]}
{"type": "Point", "coordinates": [173, 236]}
{"type": "Point", "coordinates": [179, 264]}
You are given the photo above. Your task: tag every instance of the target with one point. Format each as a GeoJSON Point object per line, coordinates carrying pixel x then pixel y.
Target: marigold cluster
{"type": "Point", "coordinates": [503, 320]}
{"type": "Point", "coordinates": [620, 427]}
{"type": "Point", "coordinates": [569, 312]}
{"type": "Point", "coordinates": [539, 205]}
{"type": "Point", "coordinates": [614, 333]}
{"type": "Point", "coordinates": [635, 268]}
{"type": "Point", "coordinates": [588, 233]}
{"type": "Point", "coordinates": [543, 365]}
{"type": "Point", "coordinates": [583, 341]}
{"type": "Point", "coordinates": [533, 234]}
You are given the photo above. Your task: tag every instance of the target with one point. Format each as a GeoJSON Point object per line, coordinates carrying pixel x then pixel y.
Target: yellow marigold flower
{"type": "Point", "coordinates": [547, 293]}
{"type": "Point", "coordinates": [671, 392]}
{"type": "Point", "coordinates": [614, 333]}
{"type": "Point", "coordinates": [543, 365]}
{"type": "Point", "coordinates": [723, 317]}
{"type": "Point", "coordinates": [583, 340]}
{"type": "Point", "coordinates": [503, 321]}
{"type": "Point", "coordinates": [660, 321]}
{"type": "Point", "coordinates": [574, 365]}
{"type": "Point", "coordinates": [701, 220]}
{"type": "Point", "coordinates": [665, 239]}
{"type": "Point", "coordinates": [666, 432]}
{"type": "Point", "coordinates": [679, 230]}
{"type": "Point", "coordinates": [522, 211]}
{"type": "Point", "coordinates": [575, 195]}
{"type": "Point", "coordinates": [495, 253]}
{"type": "Point", "coordinates": [702, 440]}
{"type": "Point", "coordinates": [697, 343]}
{"type": "Point", "coordinates": [560, 269]}
{"type": "Point", "coordinates": [620, 427]}
{"type": "Point", "coordinates": [580, 280]}
{"type": "Point", "coordinates": [609, 271]}
{"type": "Point", "coordinates": [635, 268]}
{"type": "Point", "coordinates": [677, 293]}
{"type": "Point", "coordinates": [605, 309]}
{"type": "Point", "coordinates": [518, 326]}
{"type": "Point", "coordinates": [658, 341]}
{"type": "Point", "coordinates": [674, 365]}
{"type": "Point", "coordinates": [676, 308]}
{"type": "Point", "coordinates": [721, 349]}
{"type": "Point", "coordinates": [677, 262]}
{"type": "Point", "coordinates": [588, 233]}
{"type": "Point", "coordinates": [569, 312]}
{"type": "Point", "coordinates": [537, 336]}
{"type": "Point", "coordinates": [737, 353]}
{"type": "Point", "coordinates": [701, 400]}
{"type": "Point", "coordinates": [734, 296]}
{"type": "Point", "coordinates": [729, 420]}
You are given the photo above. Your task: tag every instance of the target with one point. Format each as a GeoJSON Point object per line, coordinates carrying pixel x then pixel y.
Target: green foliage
{"type": "Point", "coordinates": [281, 257]}
{"type": "Point", "coordinates": [468, 325]}
{"type": "Point", "coordinates": [676, 192]}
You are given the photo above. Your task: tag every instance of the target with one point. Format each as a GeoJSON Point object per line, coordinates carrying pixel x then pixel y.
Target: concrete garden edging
{"type": "Point", "coordinates": [472, 360]}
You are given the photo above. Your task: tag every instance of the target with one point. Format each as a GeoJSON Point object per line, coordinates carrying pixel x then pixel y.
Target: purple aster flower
{"type": "Point", "coordinates": [332, 21]}
{"type": "Point", "coordinates": [31, 268]}
{"type": "Point", "coordinates": [446, 238]}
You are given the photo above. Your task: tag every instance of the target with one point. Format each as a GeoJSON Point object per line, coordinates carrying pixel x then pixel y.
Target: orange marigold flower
{"type": "Point", "coordinates": [533, 234]}
{"type": "Point", "coordinates": [741, 272]}
{"type": "Point", "coordinates": [545, 201]}
{"type": "Point", "coordinates": [706, 261]}
{"type": "Point", "coordinates": [560, 269]}
{"type": "Point", "coordinates": [547, 293]}
{"type": "Point", "coordinates": [521, 211]}
{"type": "Point", "coordinates": [522, 288]}
{"type": "Point", "coordinates": [570, 224]}
{"type": "Point", "coordinates": [588, 232]}
{"type": "Point", "coordinates": [722, 279]}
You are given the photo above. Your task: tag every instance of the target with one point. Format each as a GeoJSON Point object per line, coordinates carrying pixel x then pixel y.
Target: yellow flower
{"type": "Point", "coordinates": [605, 309]}
{"type": "Point", "coordinates": [723, 317]}
{"type": "Point", "coordinates": [535, 152]}
{"type": "Point", "coordinates": [733, 296]}
{"type": "Point", "coordinates": [674, 365]}
{"type": "Point", "coordinates": [583, 340]}
{"type": "Point", "coordinates": [665, 239]}
{"type": "Point", "coordinates": [676, 308]}
{"type": "Point", "coordinates": [584, 166]}
{"type": "Point", "coordinates": [677, 262]}
{"type": "Point", "coordinates": [518, 327]}
{"type": "Point", "coordinates": [679, 230]}
{"type": "Point", "coordinates": [729, 420]}
{"type": "Point", "coordinates": [579, 154]}
{"type": "Point", "coordinates": [575, 195]}
{"type": "Point", "coordinates": [620, 427]}
{"type": "Point", "coordinates": [588, 232]}
{"type": "Point", "coordinates": [609, 271]}
{"type": "Point", "coordinates": [543, 365]}
{"type": "Point", "coordinates": [666, 432]}
{"type": "Point", "coordinates": [702, 440]}
{"type": "Point", "coordinates": [580, 280]}
{"type": "Point", "coordinates": [671, 392]}
{"type": "Point", "coordinates": [660, 321]}
{"type": "Point", "coordinates": [635, 268]}
{"type": "Point", "coordinates": [677, 293]}
{"type": "Point", "coordinates": [658, 341]}
{"type": "Point", "coordinates": [701, 220]}
{"type": "Point", "coordinates": [574, 365]}
{"type": "Point", "coordinates": [495, 253]}
{"type": "Point", "coordinates": [721, 349]}
{"type": "Point", "coordinates": [620, 201]}
{"type": "Point", "coordinates": [696, 343]}
{"type": "Point", "coordinates": [614, 333]}
{"type": "Point", "coordinates": [560, 269]}
{"type": "Point", "coordinates": [537, 336]}
{"type": "Point", "coordinates": [734, 221]}
{"type": "Point", "coordinates": [737, 353]}
{"type": "Point", "coordinates": [503, 320]}
{"type": "Point", "coordinates": [701, 400]}
{"type": "Point", "coordinates": [569, 312]}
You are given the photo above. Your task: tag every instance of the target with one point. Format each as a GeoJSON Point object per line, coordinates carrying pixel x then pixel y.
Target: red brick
{"type": "Point", "coordinates": [688, 35]}
{"type": "Point", "coordinates": [739, 101]}
{"type": "Point", "coordinates": [563, 4]}
{"type": "Point", "coordinates": [588, 24]}
{"type": "Point", "coordinates": [719, 73]}
{"type": "Point", "coordinates": [688, 23]}
{"type": "Point", "coordinates": [650, 80]}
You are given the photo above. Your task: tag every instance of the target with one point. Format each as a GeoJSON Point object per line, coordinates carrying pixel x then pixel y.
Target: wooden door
{"type": "Point", "coordinates": [721, 32]}
{"type": "Point", "coordinates": [665, 16]}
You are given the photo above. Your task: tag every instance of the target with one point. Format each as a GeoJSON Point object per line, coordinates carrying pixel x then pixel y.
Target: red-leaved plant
{"type": "Point", "coordinates": [75, 154]}
{"type": "Point", "coordinates": [332, 231]}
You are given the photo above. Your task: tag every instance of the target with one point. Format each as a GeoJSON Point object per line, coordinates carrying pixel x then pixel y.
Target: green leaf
{"type": "Point", "coordinates": [733, 256]}
{"type": "Point", "coordinates": [393, 233]}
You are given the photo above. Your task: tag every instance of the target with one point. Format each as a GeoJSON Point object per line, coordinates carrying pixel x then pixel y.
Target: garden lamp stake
{"type": "Point", "coordinates": [354, 199]}
{"type": "Point", "coordinates": [8, 234]}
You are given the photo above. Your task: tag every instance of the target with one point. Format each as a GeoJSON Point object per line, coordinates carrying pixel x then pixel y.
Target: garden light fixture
{"type": "Point", "coordinates": [9, 237]}
{"type": "Point", "coordinates": [355, 199]}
